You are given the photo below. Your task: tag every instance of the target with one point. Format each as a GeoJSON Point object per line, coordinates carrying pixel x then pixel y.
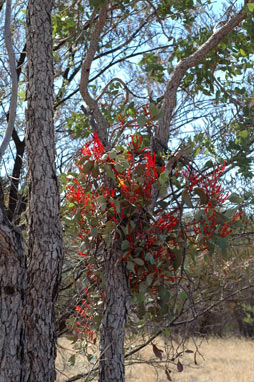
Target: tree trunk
{"type": "Point", "coordinates": [45, 251]}
{"type": "Point", "coordinates": [112, 331]}
{"type": "Point", "coordinates": [12, 301]}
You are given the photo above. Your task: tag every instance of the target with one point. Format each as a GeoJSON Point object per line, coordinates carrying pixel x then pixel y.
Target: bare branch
{"type": "Point", "coordinates": [116, 79]}
{"type": "Point", "coordinates": [14, 79]}
{"type": "Point", "coordinates": [161, 137]}
{"type": "Point", "coordinates": [101, 123]}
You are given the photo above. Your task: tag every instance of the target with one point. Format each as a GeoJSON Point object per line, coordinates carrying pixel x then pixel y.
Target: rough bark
{"type": "Point", "coordinates": [112, 331]}
{"type": "Point", "coordinates": [117, 294]}
{"type": "Point", "coordinates": [12, 301]}
{"type": "Point", "coordinates": [45, 252]}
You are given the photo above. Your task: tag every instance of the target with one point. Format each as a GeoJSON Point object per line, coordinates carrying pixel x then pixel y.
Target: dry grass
{"type": "Point", "coordinates": [225, 360]}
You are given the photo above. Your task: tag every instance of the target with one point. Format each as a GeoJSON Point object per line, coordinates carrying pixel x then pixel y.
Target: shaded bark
{"type": "Point", "coordinates": [12, 300]}
{"type": "Point", "coordinates": [45, 252]}
{"type": "Point", "coordinates": [112, 331]}
{"type": "Point", "coordinates": [15, 200]}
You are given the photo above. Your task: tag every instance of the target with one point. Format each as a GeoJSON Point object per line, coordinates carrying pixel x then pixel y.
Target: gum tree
{"type": "Point", "coordinates": [117, 290]}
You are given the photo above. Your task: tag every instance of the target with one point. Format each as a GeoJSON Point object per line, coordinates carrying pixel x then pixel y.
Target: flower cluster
{"type": "Point", "coordinates": [109, 200]}
{"type": "Point", "coordinates": [85, 318]}
{"type": "Point", "coordinates": [120, 206]}
{"type": "Point", "coordinates": [211, 223]}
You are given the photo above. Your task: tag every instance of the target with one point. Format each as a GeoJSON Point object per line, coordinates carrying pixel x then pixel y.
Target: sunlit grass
{"type": "Point", "coordinates": [224, 360]}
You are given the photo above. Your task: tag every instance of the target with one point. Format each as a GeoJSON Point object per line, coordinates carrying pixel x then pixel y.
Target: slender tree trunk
{"type": "Point", "coordinates": [112, 331]}
{"type": "Point", "coordinates": [45, 251]}
{"type": "Point", "coordinates": [12, 301]}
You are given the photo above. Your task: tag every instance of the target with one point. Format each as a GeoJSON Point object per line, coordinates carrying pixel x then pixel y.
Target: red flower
{"type": "Point", "coordinates": [85, 150]}
{"type": "Point", "coordinates": [98, 148]}
{"type": "Point", "coordinates": [167, 222]}
{"type": "Point", "coordinates": [82, 254]}
{"type": "Point", "coordinates": [136, 142]}
{"type": "Point", "coordinates": [150, 163]}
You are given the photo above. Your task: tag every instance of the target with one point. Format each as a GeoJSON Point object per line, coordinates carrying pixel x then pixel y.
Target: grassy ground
{"type": "Point", "coordinates": [225, 360]}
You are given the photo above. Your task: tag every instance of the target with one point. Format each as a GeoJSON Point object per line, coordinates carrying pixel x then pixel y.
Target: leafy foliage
{"type": "Point", "coordinates": [109, 200]}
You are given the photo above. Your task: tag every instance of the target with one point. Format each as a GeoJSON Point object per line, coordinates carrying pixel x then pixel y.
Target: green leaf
{"type": "Point", "coordinates": [95, 171]}
{"type": "Point", "coordinates": [109, 226]}
{"type": "Point", "coordinates": [243, 53]}
{"type": "Point", "coordinates": [109, 172]}
{"type": "Point", "coordinates": [138, 261]}
{"type": "Point", "coordinates": [149, 257]}
{"type": "Point", "coordinates": [143, 287]}
{"type": "Point", "coordinates": [202, 195]}
{"type": "Point", "coordinates": [230, 213]}
{"type": "Point", "coordinates": [243, 133]}
{"type": "Point", "coordinates": [149, 279]}
{"type": "Point", "coordinates": [235, 198]}
{"type": "Point", "coordinates": [211, 248]}
{"type": "Point", "coordinates": [125, 164]}
{"type": "Point", "coordinates": [177, 258]}
{"type": "Point", "coordinates": [154, 110]}
{"type": "Point", "coordinates": [125, 245]}
{"type": "Point", "coordinates": [112, 154]}
{"type": "Point", "coordinates": [97, 3]}
{"type": "Point", "coordinates": [141, 120]}
{"type": "Point", "coordinates": [164, 293]}
{"type": "Point", "coordinates": [164, 178]}
{"type": "Point", "coordinates": [186, 198]}
{"type": "Point", "coordinates": [251, 7]}
{"type": "Point", "coordinates": [222, 242]}
{"type": "Point", "coordinates": [119, 168]}
{"type": "Point", "coordinates": [71, 360]}
{"type": "Point", "coordinates": [131, 266]}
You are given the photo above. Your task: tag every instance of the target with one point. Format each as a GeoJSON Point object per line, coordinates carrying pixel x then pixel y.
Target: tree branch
{"type": "Point", "coordinates": [101, 123]}
{"type": "Point", "coordinates": [116, 79]}
{"type": "Point", "coordinates": [14, 80]}
{"type": "Point", "coordinates": [1, 4]}
{"type": "Point", "coordinates": [160, 140]}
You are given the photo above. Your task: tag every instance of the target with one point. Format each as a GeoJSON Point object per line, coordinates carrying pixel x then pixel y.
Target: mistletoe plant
{"type": "Point", "coordinates": [110, 198]}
